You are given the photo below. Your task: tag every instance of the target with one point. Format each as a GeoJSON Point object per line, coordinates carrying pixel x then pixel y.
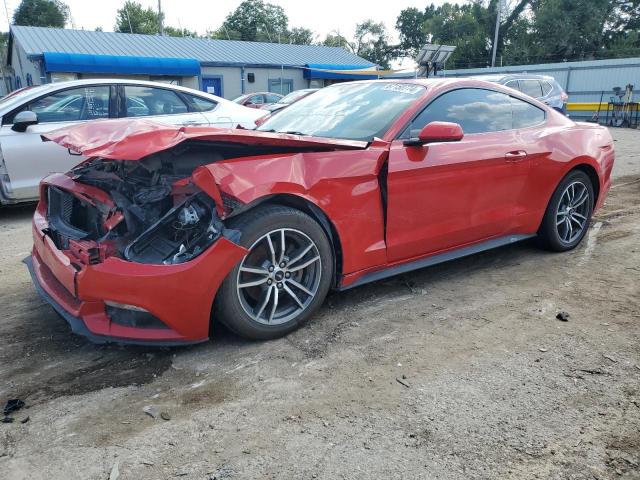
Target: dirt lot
{"type": "Point", "coordinates": [461, 371]}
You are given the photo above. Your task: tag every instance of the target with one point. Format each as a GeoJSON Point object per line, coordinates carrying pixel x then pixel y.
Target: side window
{"type": "Point", "coordinates": [73, 105]}
{"type": "Point", "coordinates": [255, 100]}
{"type": "Point", "coordinates": [546, 88]}
{"type": "Point", "coordinates": [273, 98]}
{"type": "Point", "coordinates": [512, 84]}
{"type": "Point", "coordinates": [476, 110]}
{"type": "Point", "coordinates": [525, 114]}
{"type": "Point", "coordinates": [531, 88]}
{"type": "Point", "coordinates": [144, 101]}
{"type": "Point", "coordinates": [200, 104]}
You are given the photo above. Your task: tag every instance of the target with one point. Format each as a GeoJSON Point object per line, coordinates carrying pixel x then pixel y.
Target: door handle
{"type": "Point", "coordinates": [515, 156]}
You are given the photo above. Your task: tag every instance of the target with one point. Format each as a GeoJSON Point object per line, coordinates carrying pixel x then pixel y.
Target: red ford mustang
{"type": "Point", "coordinates": [165, 229]}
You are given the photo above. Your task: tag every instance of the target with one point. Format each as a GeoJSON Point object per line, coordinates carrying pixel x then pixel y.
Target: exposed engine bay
{"type": "Point", "coordinates": [158, 215]}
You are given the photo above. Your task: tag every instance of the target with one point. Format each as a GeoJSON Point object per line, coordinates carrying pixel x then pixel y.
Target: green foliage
{"type": "Point", "coordinates": [256, 21]}
{"type": "Point", "coordinates": [372, 43]}
{"type": "Point", "coordinates": [300, 36]}
{"type": "Point", "coordinates": [531, 31]}
{"type": "Point", "coordinates": [335, 40]}
{"type": "Point", "coordinates": [179, 32]}
{"type": "Point", "coordinates": [41, 13]}
{"type": "Point", "coordinates": [133, 18]}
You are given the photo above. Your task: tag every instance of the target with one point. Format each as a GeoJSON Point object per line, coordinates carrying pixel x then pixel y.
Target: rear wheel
{"type": "Point", "coordinates": [568, 214]}
{"type": "Point", "coordinates": [284, 277]}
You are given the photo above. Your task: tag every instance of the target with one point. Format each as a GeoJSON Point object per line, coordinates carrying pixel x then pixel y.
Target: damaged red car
{"type": "Point", "coordinates": [164, 231]}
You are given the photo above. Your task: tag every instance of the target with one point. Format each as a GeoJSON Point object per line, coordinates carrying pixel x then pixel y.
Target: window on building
{"type": "Point", "coordinates": [476, 110]}
{"type": "Point", "coordinates": [282, 86]}
{"type": "Point", "coordinates": [531, 88]}
{"type": "Point", "coordinates": [146, 101]}
{"type": "Point", "coordinates": [72, 105]}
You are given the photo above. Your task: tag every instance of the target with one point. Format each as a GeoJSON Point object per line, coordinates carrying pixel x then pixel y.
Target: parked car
{"type": "Point", "coordinates": [257, 99]}
{"type": "Point", "coordinates": [165, 229]}
{"type": "Point", "coordinates": [287, 100]}
{"type": "Point", "coordinates": [26, 115]}
{"type": "Point", "coordinates": [540, 87]}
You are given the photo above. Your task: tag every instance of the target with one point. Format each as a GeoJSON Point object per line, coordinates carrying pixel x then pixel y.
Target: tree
{"type": "Point", "coordinates": [410, 26]}
{"type": "Point", "coordinates": [132, 17]}
{"type": "Point", "coordinates": [372, 43]}
{"type": "Point", "coordinates": [300, 36]}
{"type": "Point", "coordinates": [256, 21]}
{"type": "Point", "coordinates": [179, 32]}
{"type": "Point", "coordinates": [334, 39]}
{"type": "Point", "coordinates": [41, 13]}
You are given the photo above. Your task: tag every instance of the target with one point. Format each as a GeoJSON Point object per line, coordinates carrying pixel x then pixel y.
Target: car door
{"type": "Point", "coordinates": [446, 195]}
{"type": "Point", "coordinates": [26, 157]}
{"type": "Point", "coordinates": [158, 104]}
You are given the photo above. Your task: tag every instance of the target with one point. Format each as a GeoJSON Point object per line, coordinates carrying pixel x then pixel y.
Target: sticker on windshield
{"type": "Point", "coordinates": [402, 88]}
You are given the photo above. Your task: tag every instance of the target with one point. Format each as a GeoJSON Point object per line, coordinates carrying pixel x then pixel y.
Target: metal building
{"type": "Point", "coordinates": [227, 68]}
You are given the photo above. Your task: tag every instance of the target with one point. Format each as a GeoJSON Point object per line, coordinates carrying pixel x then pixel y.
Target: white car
{"type": "Point", "coordinates": [25, 159]}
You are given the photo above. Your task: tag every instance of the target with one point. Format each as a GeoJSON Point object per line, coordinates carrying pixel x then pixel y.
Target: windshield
{"type": "Point", "coordinates": [353, 111]}
{"type": "Point", "coordinates": [17, 96]}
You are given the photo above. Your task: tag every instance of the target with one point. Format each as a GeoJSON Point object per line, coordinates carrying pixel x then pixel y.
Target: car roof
{"type": "Point", "coordinates": [512, 76]}
{"type": "Point", "coordinates": [39, 90]}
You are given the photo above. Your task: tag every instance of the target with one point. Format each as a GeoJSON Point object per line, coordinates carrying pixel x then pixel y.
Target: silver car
{"type": "Point", "coordinates": [25, 159]}
{"type": "Point", "coordinates": [541, 87]}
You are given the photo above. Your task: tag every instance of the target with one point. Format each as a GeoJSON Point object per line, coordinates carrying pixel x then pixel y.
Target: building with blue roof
{"type": "Point", "coordinates": [227, 68]}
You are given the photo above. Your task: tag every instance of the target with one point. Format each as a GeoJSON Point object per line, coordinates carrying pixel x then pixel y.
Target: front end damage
{"type": "Point", "coordinates": [134, 250]}
{"type": "Point", "coordinates": [121, 250]}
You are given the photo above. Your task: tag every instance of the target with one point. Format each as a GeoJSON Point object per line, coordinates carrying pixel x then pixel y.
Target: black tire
{"type": "Point", "coordinates": [556, 237]}
{"type": "Point", "coordinates": [232, 303]}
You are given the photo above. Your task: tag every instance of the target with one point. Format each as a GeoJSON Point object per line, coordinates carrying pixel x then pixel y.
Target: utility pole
{"type": "Point", "coordinates": [495, 36]}
{"type": "Point", "coordinates": [160, 17]}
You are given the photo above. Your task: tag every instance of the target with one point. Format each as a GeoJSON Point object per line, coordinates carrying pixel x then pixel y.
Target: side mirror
{"type": "Point", "coordinates": [24, 119]}
{"type": "Point", "coordinates": [437, 132]}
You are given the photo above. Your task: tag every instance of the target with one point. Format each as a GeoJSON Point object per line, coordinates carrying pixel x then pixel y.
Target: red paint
{"type": "Point", "coordinates": [440, 196]}
{"type": "Point", "coordinates": [441, 132]}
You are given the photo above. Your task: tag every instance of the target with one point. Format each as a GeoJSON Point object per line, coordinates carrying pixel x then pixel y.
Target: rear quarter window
{"type": "Point", "coordinates": [526, 115]}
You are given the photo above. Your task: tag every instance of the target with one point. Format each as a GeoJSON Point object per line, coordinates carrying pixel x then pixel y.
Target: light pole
{"type": "Point", "coordinates": [495, 36]}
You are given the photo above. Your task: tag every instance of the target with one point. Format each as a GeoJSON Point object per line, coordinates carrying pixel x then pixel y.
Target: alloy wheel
{"type": "Point", "coordinates": [572, 213]}
{"type": "Point", "coordinates": [279, 277]}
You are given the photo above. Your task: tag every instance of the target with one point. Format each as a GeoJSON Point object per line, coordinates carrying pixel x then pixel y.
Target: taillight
{"type": "Point", "coordinates": [564, 97]}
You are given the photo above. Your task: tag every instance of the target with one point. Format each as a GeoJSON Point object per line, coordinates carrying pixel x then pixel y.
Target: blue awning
{"type": "Point", "coordinates": [86, 63]}
{"type": "Point", "coordinates": [317, 70]}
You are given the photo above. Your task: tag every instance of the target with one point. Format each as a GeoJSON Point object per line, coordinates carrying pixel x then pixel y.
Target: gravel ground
{"type": "Point", "coordinates": [459, 371]}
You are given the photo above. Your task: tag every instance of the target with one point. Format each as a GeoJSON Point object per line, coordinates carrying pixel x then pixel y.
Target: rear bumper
{"type": "Point", "coordinates": [180, 296]}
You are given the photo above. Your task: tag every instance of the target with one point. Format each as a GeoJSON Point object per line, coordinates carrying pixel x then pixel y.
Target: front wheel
{"type": "Point", "coordinates": [284, 277]}
{"type": "Point", "coordinates": [568, 214]}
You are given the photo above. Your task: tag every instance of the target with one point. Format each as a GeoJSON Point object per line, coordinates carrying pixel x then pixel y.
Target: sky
{"type": "Point", "coordinates": [321, 16]}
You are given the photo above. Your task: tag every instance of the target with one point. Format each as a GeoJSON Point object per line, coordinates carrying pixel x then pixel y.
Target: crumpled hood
{"type": "Point", "coordinates": [126, 139]}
